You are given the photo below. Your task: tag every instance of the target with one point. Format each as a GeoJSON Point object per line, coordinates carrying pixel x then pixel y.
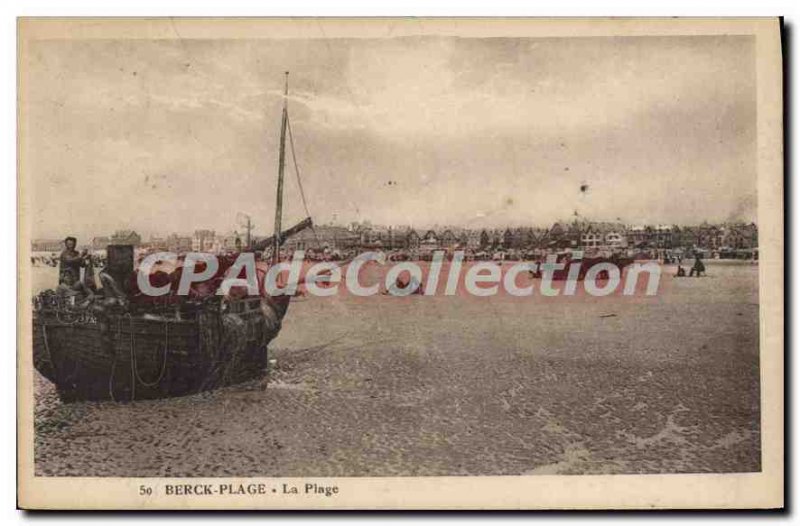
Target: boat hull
{"type": "Point", "coordinates": [126, 358]}
{"type": "Point", "coordinates": [585, 264]}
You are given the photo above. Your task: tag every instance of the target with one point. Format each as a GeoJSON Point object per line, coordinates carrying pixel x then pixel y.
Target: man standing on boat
{"type": "Point", "coordinates": [70, 259]}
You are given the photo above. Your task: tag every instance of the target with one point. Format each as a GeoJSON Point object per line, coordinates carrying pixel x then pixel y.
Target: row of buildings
{"type": "Point", "coordinates": [365, 236]}
{"type": "Point", "coordinates": [199, 241]}
{"type": "Point", "coordinates": [202, 240]}
{"type": "Point", "coordinates": [120, 237]}
{"type": "Point", "coordinates": [561, 235]}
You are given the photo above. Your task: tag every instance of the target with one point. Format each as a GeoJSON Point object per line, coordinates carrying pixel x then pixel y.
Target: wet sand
{"type": "Point", "coordinates": [439, 386]}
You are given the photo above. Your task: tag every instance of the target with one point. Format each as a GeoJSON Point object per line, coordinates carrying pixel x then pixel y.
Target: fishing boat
{"type": "Point", "coordinates": [586, 263]}
{"type": "Point", "coordinates": [147, 347]}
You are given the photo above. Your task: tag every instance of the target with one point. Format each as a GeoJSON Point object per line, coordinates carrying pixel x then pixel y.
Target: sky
{"type": "Point", "coordinates": [169, 136]}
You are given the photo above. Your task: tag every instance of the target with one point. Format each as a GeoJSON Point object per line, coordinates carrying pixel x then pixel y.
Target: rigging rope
{"type": "Point", "coordinates": [47, 347]}
{"type": "Point", "coordinates": [114, 362]}
{"type": "Point", "coordinates": [299, 182]}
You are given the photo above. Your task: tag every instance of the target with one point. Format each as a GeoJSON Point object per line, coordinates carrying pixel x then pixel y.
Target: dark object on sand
{"type": "Point", "coordinates": [585, 264]}
{"type": "Point", "coordinates": [120, 265]}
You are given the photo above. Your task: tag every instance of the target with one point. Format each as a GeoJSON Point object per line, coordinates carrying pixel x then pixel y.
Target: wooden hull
{"type": "Point", "coordinates": [125, 358]}
{"type": "Point", "coordinates": [586, 264]}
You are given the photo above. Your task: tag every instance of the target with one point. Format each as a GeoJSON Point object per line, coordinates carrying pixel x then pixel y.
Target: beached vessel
{"type": "Point", "coordinates": [160, 347]}
{"type": "Point", "coordinates": [586, 263]}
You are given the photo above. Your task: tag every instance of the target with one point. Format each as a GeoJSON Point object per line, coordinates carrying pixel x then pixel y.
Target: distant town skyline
{"type": "Point", "coordinates": [367, 225]}
{"type": "Point", "coordinates": [171, 136]}
{"type": "Point", "coordinates": [366, 236]}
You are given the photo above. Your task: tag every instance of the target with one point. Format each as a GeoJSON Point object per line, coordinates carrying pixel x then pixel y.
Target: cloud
{"type": "Point", "coordinates": [478, 131]}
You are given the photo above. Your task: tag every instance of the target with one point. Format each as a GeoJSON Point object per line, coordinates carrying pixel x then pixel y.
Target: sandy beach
{"type": "Point", "coordinates": [410, 386]}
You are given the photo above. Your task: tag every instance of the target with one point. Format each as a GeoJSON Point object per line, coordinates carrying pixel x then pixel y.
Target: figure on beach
{"type": "Point", "coordinates": [410, 284]}
{"type": "Point", "coordinates": [698, 268]}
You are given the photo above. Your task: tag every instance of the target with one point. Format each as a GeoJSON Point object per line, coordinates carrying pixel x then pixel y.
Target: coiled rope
{"type": "Point", "coordinates": [134, 361]}
{"type": "Point", "coordinates": [135, 375]}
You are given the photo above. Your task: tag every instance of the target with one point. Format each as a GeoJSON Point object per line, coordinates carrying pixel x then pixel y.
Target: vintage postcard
{"type": "Point", "coordinates": [400, 263]}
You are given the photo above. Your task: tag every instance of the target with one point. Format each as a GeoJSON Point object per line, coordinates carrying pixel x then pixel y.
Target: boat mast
{"type": "Point", "coordinates": [281, 164]}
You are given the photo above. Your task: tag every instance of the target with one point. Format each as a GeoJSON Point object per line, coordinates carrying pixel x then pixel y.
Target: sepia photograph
{"type": "Point", "coordinates": [292, 263]}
